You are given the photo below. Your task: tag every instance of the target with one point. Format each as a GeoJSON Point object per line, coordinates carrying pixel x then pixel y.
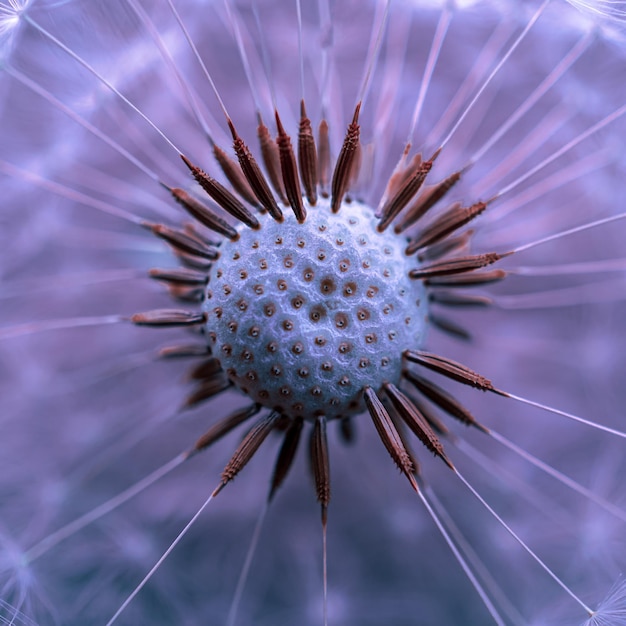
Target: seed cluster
{"type": "Point", "coordinates": [303, 317]}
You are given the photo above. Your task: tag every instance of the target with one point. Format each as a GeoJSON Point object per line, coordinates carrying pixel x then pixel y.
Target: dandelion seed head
{"type": "Point", "coordinates": [93, 410]}
{"type": "Point", "coordinates": [296, 312]}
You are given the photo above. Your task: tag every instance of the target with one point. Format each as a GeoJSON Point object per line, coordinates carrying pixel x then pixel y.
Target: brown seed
{"type": "Point", "coordinates": [286, 455]}
{"type": "Point", "coordinates": [168, 317]}
{"type": "Point", "coordinates": [458, 265]}
{"type": "Point", "coordinates": [235, 177]}
{"type": "Point", "coordinates": [389, 435]}
{"type": "Point", "coordinates": [221, 195]}
{"type": "Point", "coordinates": [183, 242]}
{"type": "Point", "coordinates": [451, 369]}
{"type": "Point", "coordinates": [254, 176]}
{"type": "Point", "coordinates": [345, 162]}
{"type": "Point", "coordinates": [320, 465]}
{"type": "Point", "coordinates": [250, 444]}
{"type": "Point", "coordinates": [203, 214]}
{"type": "Point", "coordinates": [451, 220]}
{"type": "Point", "coordinates": [307, 156]}
{"type": "Point", "coordinates": [289, 169]}
{"type": "Point", "coordinates": [442, 399]}
{"type": "Point", "coordinates": [427, 200]}
{"type": "Point", "coordinates": [416, 422]}
{"type": "Point", "coordinates": [225, 425]}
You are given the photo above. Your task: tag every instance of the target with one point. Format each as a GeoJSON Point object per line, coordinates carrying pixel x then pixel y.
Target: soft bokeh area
{"type": "Point", "coordinates": [88, 410]}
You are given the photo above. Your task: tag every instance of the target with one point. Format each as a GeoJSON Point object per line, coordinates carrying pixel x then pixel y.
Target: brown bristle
{"type": "Point", "coordinates": [168, 317]}
{"type": "Point", "coordinates": [458, 265]}
{"type": "Point", "coordinates": [416, 422]}
{"type": "Point", "coordinates": [286, 455]}
{"type": "Point", "coordinates": [206, 369]}
{"type": "Point", "coordinates": [468, 280]}
{"type": "Point", "coordinates": [342, 173]}
{"type": "Point", "coordinates": [320, 465]}
{"type": "Point", "coordinates": [307, 156]}
{"type": "Point", "coordinates": [401, 174]}
{"type": "Point", "coordinates": [289, 169]}
{"type": "Point", "coordinates": [203, 214]}
{"type": "Point", "coordinates": [180, 276]}
{"type": "Point", "coordinates": [250, 444]}
{"type": "Point", "coordinates": [184, 351]}
{"type": "Point", "coordinates": [346, 430]}
{"type": "Point", "coordinates": [183, 242]}
{"type": "Point", "coordinates": [225, 425]}
{"type": "Point", "coordinates": [442, 399]}
{"type": "Point", "coordinates": [389, 435]}
{"type": "Point", "coordinates": [445, 224]}
{"type": "Point", "coordinates": [405, 193]}
{"type": "Point", "coordinates": [221, 195]}
{"type": "Point", "coordinates": [235, 177]}
{"type": "Point", "coordinates": [271, 160]}
{"type": "Point", "coordinates": [209, 388]}
{"type": "Point", "coordinates": [446, 247]}
{"type": "Point", "coordinates": [323, 156]}
{"type": "Point", "coordinates": [449, 368]}
{"type": "Point", "coordinates": [254, 176]}
{"type": "Point", "coordinates": [427, 201]}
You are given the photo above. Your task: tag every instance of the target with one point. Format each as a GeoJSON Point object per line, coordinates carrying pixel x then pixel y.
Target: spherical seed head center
{"type": "Point", "coordinates": [304, 316]}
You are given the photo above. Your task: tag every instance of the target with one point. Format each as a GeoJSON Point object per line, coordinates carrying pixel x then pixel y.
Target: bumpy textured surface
{"type": "Point", "coordinates": [303, 316]}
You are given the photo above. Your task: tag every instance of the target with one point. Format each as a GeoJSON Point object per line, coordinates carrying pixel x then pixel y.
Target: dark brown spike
{"type": "Point", "coordinates": [451, 369]}
{"type": "Point", "coordinates": [250, 444]}
{"type": "Point", "coordinates": [458, 265]}
{"type": "Point", "coordinates": [235, 177]}
{"type": "Point", "coordinates": [443, 400]}
{"type": "Point", "coordinates": [446, 224]}
{"type": "Point", "coordinates": [320, 464]}
{"type": "Point", "coordinates": [323, 156]}
{"type": "Point", "coordinates": [346, 430]}
{"type": "Point", "coordinates": [405, 194]}
{"type": "Point", "coordinates": [207, 389]}
{"type": "Point", "coordinates": [427, 200]}
{"type": "Point", "coordinates": [342, 173]}
{"type": "Point", "coordinates": [271, 160]}
{"type": "Point", "coordinates": [416, 422]}
{"type": "Point", "coordinates": [452, 299]}
{"type": "Point", "coordinates": [207, 369]}
{"type": "Point", "coordinates": [227, 200]}
{"type": "Point", "coordinates": [476, 279]}
{"type": "Point", "coordinates": [168, 317]}
{"type": "Point", "coordinates": [289, 169]}
{"type": "Point", "coordinates": [286, 455]}
{"type": "Point", "coordinates": [184, 351]}
{"type": "Point", "coordinates": [179, 276]}
{"type": "Point", "coordinates": [446, 247]}
{"type": "Point", "coordinates": [307, 156]}
{"type": "Point", "coordinates": [254, 176]}
{"type": "Point", "coordinates": [224, 426]}
{"type": "Point", "coordinates": [203, 214]}
{"type": "Point", "coordinates": [389, 435]}
{"type": "Point", "coordinates": [184, 243]}
{"type": "Point", "coordinates": [450, 327]}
